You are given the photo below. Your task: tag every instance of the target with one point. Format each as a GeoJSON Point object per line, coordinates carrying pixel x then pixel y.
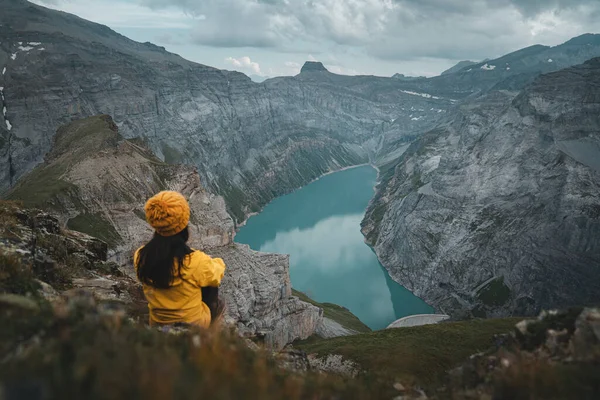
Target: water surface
{"type": "Point", "coordinates": [319, 227]}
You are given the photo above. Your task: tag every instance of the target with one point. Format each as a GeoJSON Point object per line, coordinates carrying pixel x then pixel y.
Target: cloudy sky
{"type": "Point", "coordinates": [379, 37]}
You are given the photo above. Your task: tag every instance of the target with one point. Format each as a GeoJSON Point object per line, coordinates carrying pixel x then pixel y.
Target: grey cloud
{"type": "Point", "coordinates": [533, 7]}
{"type": "Point", "coordinates": [388, 29]}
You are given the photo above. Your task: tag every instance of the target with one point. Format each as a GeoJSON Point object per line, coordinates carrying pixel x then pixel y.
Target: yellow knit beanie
{"type": "Point", "coordinates": [168, 213]}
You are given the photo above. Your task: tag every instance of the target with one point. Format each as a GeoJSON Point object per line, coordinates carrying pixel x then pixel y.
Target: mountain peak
{"type": "Point", "coordinates": [312, 66]}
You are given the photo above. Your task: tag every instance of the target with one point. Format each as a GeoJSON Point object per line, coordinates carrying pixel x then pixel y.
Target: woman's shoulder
{"type": "Point", "coordinates": [198, 258]}
{"type": "Point", "coordinates": [197, 255]}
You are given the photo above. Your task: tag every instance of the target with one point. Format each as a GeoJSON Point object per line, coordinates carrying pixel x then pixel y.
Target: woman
{"type": "Point", "coordinates": [172, 274]}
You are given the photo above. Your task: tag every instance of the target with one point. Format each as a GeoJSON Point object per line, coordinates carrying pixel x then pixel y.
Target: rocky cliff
{"type": "Point", "coordinates": [250, 142]}
{"type": "Point", "coordinates": [497, 211]}
{"type": "Point", "coordinates": [97, 183]}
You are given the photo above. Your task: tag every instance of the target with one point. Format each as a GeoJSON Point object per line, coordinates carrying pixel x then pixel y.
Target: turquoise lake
{"type": "Point", "coordinates": [319, 227]}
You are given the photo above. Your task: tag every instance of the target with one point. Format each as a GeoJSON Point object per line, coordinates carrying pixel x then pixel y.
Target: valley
{"type": "Point", "coordinates": [487, 199]}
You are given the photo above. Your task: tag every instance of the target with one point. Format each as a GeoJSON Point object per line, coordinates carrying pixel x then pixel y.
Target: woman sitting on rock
{"type": "Point", "coordinates": [174, 276]}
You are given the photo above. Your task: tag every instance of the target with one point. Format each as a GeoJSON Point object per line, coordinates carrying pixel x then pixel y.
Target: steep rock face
{"type": "Point", "coordinates": [259, 297]}
{"type": "Point", "coordinates": [97, 183]}
{"type": "Point", "coordinates": [496, 211]}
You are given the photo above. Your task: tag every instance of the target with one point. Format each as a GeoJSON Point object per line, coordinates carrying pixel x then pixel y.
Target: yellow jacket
{"type": "Point", "coordinates": [182, 302]}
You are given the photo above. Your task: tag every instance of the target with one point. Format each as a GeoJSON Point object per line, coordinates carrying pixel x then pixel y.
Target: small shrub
{"type": "Point", "coordinates": [97, 226]}
{"type": "Point", "coordinates": [8, 210]}
{"type": "Point", "coordinates": [15, 276]}
{"type": "Point", "coordinates": [495, 294]}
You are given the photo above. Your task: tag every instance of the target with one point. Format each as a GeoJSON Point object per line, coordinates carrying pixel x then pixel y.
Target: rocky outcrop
{"type": "Point", "coordinates": [495, 212]}
{"type": "Point", "coordinates": [259, 298]}
{"type": "Point", "coordinates": [541, 359]}
{"type": "Point", "coordinates": [60, 260]}
{"type": "Point", "coordinates": [97, 183]}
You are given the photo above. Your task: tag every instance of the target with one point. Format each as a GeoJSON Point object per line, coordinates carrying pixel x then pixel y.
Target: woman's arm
{"type": "Point", "coordinates": [208, 271]}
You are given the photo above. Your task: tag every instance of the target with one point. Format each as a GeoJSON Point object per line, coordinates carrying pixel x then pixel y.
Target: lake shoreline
{"type": "Point", "coordinates": [318, 225]}
{"type": "Point", "coordinates": [250, 215]}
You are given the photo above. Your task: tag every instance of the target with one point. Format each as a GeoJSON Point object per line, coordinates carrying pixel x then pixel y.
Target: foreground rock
{"type": "Point", "coordinates": [58, 261]}
{"type": "Point", "coordinates": [495, 212]}
{"type": "Point", "coordinates": [96, 182]}
{"type": "Point", "coordinates": [555, 356]}
{"type": "Point", "coordinates": [79, 347]}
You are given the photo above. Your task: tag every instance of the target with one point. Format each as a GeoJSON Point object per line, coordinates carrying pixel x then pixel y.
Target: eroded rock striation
{"type": "Point", "coordinates": [496, 211]}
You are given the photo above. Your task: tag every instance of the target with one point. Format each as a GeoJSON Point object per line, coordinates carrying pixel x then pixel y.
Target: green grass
{"type": "Point", "coordinates": [88, 352]}
{"type": "Point", "coordinates": [85, 137]}
{"type": "Point", "coordinates": [235, 199]}
{"type": "Point", "coordinates": [172, 156]}
{"type": "Point", "coordinates": [97, 226]}
{"type": "Point", "coordinates": [341, 315]}
{"type": "Point", "coordinates": [417, 355]}
{"type": "Point", "coordinates": [72, 143]}
{"type": "Point", "coordinates": [495, 294]}
{"type": "Point", "coordinates": [41, 185]}
{"type": "Point", "coordinates": [16, 277]}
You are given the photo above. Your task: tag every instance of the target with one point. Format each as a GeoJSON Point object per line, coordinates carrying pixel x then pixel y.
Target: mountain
{"type": "Point", "coordinates": [96, 182]}
{"type": "Point", "coordinates": [250, 142]}
{"type": "Point", "coordinates": [517, 69]}
{"type": "Point", "coordinates": [407, 78]}
{"type": "Point", "coordinates": [495, 211]}
{"type": "Point", "coordinates": [460, 65]}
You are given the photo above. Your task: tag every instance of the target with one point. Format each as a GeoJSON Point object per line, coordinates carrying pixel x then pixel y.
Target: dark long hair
{"type": "Point", "coordinates": [158, 258]}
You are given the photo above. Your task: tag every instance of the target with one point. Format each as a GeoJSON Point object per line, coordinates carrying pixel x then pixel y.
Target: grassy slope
{"type": "Point", "coordinates": [82, 355]}
{"type": "Point", "coordinates": [337, 313]}
{"type": "Point", "coordinates": [72, 143]}
{"type": "Point", "coordinates": [418, 355]}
